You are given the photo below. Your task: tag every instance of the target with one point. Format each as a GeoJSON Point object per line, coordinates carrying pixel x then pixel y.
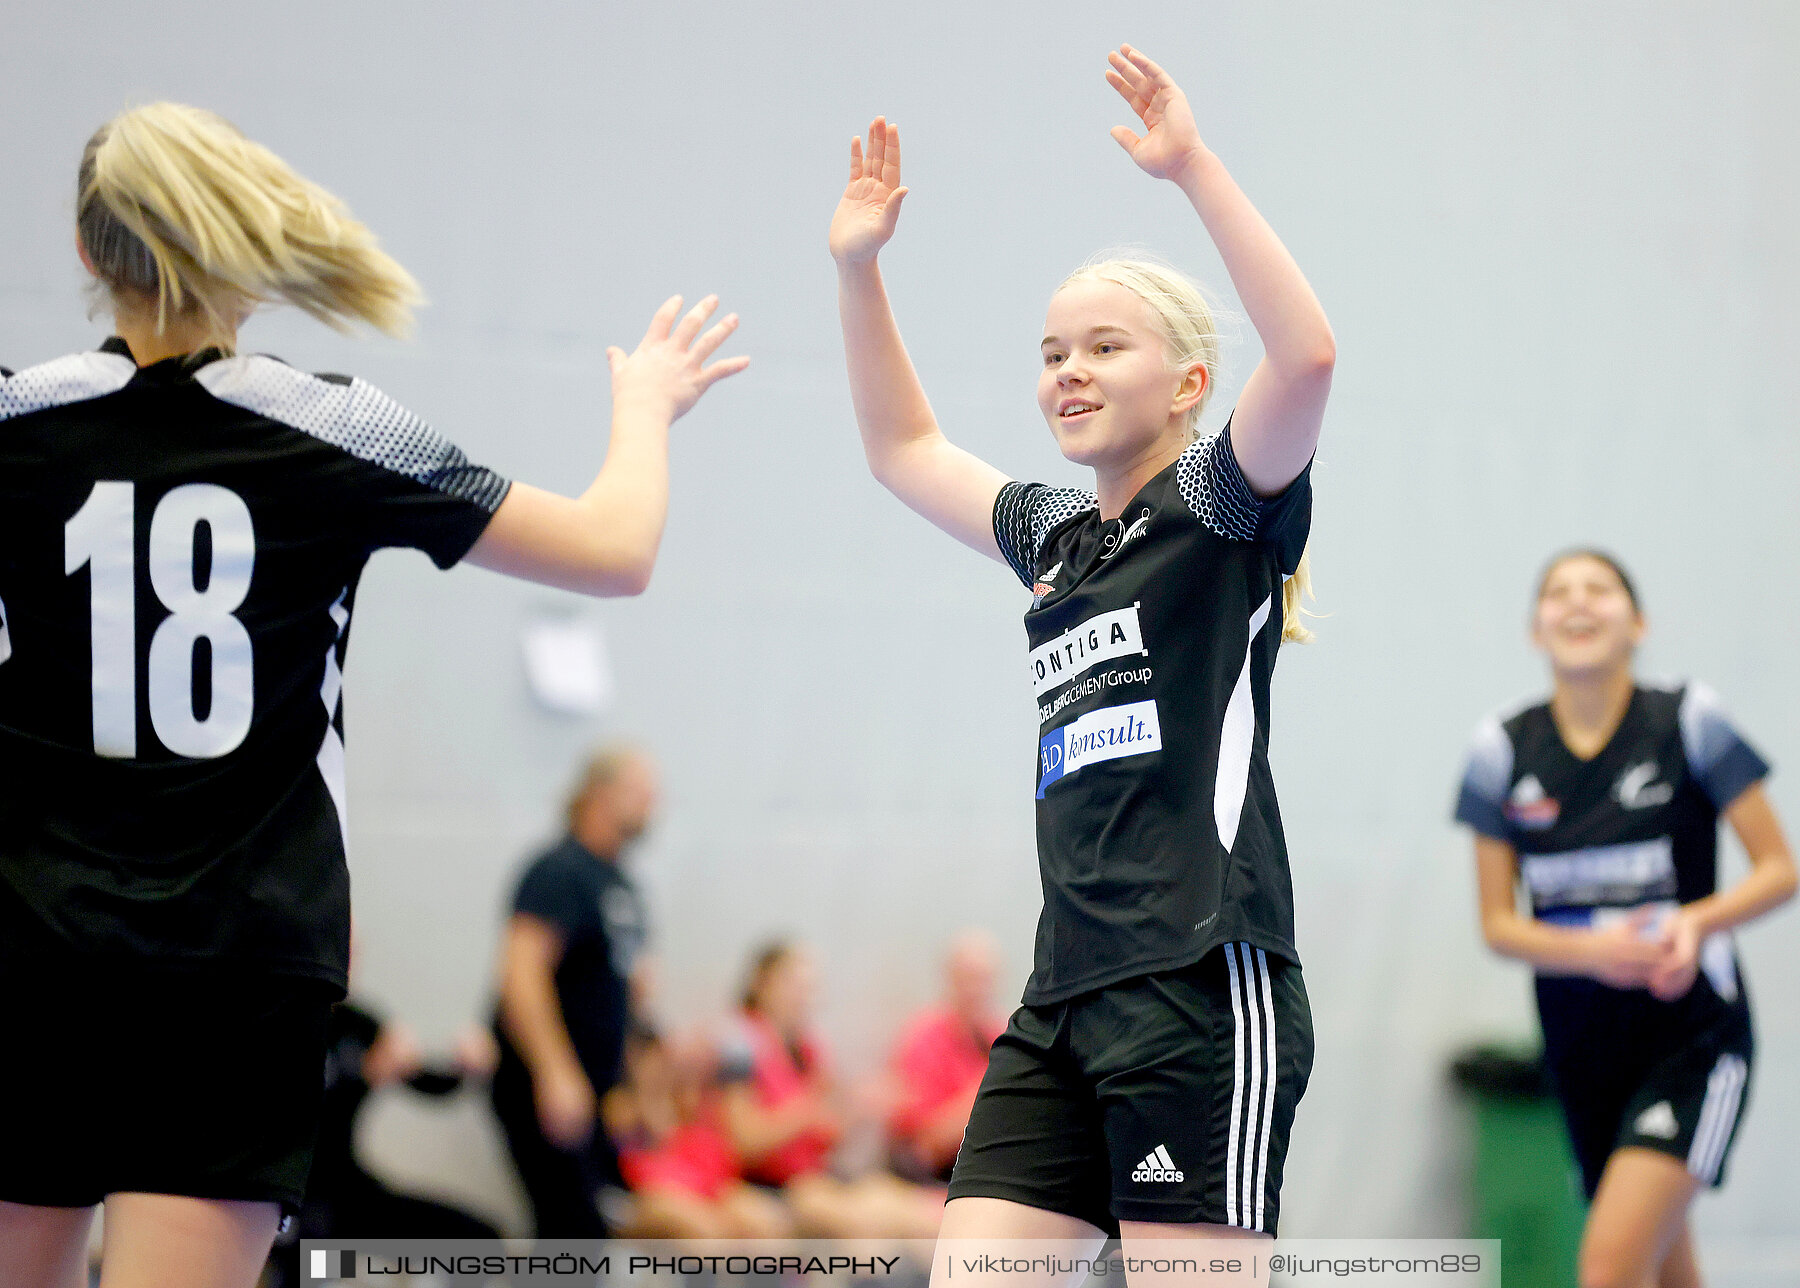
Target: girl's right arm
{"type": "Point", "coordinates": [604, 541]}
{"type": "Point", "coordinates": [1618, 955]}
{"type": "Point", "coordinates": [906, 451]}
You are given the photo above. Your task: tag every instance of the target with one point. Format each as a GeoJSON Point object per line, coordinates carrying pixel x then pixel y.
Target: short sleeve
{"type": "Point", "coordinates": [1025, 514]}
{"type": "Point", "coordinates": [551, 893]}
{"type": "Point", "coordinates": [412, 486]}
{"type": "Point", "coordinates": [1213, 484]}
{"type": "Point", "coordinates": [1487, 776]}
{"type": "Point", "coordinates": [1718, 758]}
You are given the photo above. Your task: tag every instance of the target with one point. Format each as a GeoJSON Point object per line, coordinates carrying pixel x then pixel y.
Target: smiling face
{"type": "Point", "coordinates": [1107, 388]}
{"type": "Point", "coordinates": [1586, 620]}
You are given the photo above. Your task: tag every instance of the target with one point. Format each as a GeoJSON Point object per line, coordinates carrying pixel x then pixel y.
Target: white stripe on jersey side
{"type": "Point", "coordinates": [1236, 736]}
{"type": "Point", "coordinates": [1724, 1091]}
{"type": "Point", "coordinates": [76, 378]}
{"type": "Point", "coordinates": [1268, 1115]}
{"type": "Point", "coordinates": [1237, 1088]}
{"type": "Point", "coordinates": [331, 747]}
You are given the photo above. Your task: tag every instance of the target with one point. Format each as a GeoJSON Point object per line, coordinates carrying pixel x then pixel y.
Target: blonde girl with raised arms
{"type": "Point", "coordinates": [1148, 1081]}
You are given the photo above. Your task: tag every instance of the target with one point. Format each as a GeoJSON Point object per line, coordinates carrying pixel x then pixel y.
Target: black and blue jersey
{"type": "Point", "coordinates": [1152, 641]}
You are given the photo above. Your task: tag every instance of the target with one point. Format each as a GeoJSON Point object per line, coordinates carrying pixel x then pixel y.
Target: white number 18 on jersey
{"type": "Point", "coordinates": [100, 538]}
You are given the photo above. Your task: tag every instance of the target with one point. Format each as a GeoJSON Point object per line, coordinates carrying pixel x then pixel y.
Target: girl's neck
{"type": "Point", "coordinates": [180, 334]}
{"type": "Point", "coordinates": [1588, 709]}
{"type": "Point", "coordinates": [1114, 488]}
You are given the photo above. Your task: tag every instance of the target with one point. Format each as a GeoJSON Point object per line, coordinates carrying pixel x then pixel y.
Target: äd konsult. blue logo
{"type": "Point", "coordinates": [1106, 734]}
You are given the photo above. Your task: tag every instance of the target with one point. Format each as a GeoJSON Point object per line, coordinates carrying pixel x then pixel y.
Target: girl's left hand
{"type": "Point", "coordinates": [1171, 140]}
{"type": "Point", "coordinates": [1671, 980]}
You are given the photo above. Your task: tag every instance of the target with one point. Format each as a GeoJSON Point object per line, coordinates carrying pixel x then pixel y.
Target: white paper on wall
{"type": "Point", "coordinates": [566, 664]}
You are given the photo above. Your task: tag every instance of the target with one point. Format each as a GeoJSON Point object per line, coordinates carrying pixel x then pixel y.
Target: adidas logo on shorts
{"type": "Point", "coordinates": [1658, 1120]}
{"type": "Point", "coordinates": [1158, 1166]}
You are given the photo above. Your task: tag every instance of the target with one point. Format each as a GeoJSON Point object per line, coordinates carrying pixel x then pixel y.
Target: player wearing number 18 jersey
{"type": "Point", "coordinates": [182, 530]}
{"type": "Point", "coordinates": [1148, 1082]}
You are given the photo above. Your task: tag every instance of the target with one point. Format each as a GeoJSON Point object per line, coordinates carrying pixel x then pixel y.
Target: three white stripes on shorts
{"type": "Point", "coordinates": [1718, 1114]}
{"type": "Point", "coordinates": [1252, 1085]}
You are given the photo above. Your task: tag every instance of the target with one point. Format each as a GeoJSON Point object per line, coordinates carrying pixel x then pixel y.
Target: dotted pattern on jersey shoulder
{"type": "Point", "coordinates": [356, 417]}
{"type": "Point", "coordinates": [62, 381]}
{"type": "Point", "coordinates": [1026, 513]}
{"type": "Point", "coordinates": [1215, 489]}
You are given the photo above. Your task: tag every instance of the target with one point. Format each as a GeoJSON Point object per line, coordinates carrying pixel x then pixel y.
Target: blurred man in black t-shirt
{"type": "Point", "coordinates": [573, 940]}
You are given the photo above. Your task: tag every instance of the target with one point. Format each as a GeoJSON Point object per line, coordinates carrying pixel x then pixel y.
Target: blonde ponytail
{"type": "Point", "coordinates": [175, 204]}
{"type": "Point", "coordinates": [1297, 585]}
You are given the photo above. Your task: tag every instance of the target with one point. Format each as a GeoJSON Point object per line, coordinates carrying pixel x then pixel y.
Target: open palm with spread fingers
{"type": "Point", "coordinates": [670, 361]}
{"type": "Point", "coordinates": [870, 206]}
{"type": "Point", "coordinates": [1170, 139]}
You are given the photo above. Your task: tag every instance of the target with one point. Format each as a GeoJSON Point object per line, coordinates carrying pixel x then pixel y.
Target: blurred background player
{"type": "Point", "coordinates": [1603, 803]}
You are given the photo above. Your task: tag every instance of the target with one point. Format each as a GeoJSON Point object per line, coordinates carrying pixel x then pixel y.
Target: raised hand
{"type": "Point", "coordinates": [1171, 140]}
{"type": "Point", "coordinates": [870, 207]}
{"type": "Point", "coordinates": [669, 364]}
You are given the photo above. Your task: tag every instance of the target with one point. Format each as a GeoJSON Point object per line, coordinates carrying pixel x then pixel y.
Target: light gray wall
{"type": "Point", "coordinates": [1556, 241]}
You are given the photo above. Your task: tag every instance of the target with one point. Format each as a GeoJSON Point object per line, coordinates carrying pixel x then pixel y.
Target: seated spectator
{"type": "Point", "coordinates": [674, 1156]}
{"type": "Point", "coordinates": [344, 1200]}
{"type": "Point", "coordinates": [780, 1112]}
{"type": "Point", "coordinates": [939, 1060]}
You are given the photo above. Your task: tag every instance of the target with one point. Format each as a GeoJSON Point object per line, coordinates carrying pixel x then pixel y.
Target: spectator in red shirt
{"type": "Point", "coordinates": [938, 1062]}
{"type": "Point", "coordinates": [781, 1111]}
{"type": "Point", "coordinates": [676, 1160]}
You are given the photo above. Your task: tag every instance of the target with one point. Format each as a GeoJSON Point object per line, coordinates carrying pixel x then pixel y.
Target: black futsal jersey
{"type": "Point", "coordinates": [179, 553]}
{"type": "Point", "coordinates": [1153, 637]}
{"type": "Point", "coordinates": [1636, 825]}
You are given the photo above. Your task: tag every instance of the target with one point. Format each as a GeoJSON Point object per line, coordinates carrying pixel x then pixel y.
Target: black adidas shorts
{"type": "Point", "coordinates": [1685, 1101]}
{"type": "Point", "coordinates": [159, 1083]}
{"type": "Point", "coordinates": [1163, 1098]}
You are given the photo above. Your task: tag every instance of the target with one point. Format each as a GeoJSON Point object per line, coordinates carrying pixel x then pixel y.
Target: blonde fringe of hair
{"type": "Point", "coordinates": [1189, 327]}
{"type": "Point", "coordinates": [1190, 332]}
{"type": "Point", "coordinates": [175, 204]}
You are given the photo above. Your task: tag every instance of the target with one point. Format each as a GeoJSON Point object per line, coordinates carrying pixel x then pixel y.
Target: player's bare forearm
{"type": "Point", "coordinates": [1276, 426]}
{"type": "Point", "coordinates": [1290, 321]}
{"type": "Point", "coordinates": [891, 409]}
{"type": "Point", "coordinates": [1771, 880]}
{"type": "Point", "coordinates": [1769, 884]}
{"type": "Point", "coordinates": [906, 451]}
{"type": "Point", "coordinates": [1558, 949]}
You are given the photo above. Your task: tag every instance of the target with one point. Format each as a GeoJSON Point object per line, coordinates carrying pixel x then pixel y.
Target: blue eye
{"type": "Point", "coordinates": [1106, 347]}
